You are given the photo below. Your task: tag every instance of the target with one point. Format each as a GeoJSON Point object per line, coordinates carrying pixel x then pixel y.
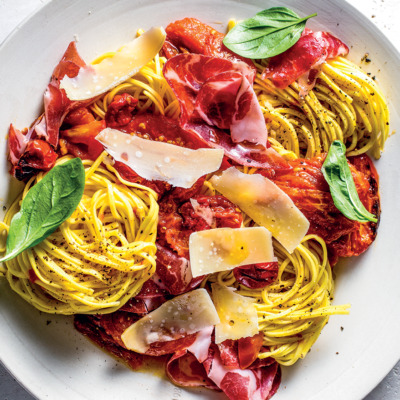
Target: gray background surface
{"type": "Point", "coordinates": [384, 13]}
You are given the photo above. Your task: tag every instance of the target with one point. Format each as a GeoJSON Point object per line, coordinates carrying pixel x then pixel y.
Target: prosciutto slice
{"type": "Point", "coordinates": [193, 359]}
{"type": "Point", "coordinates": [56, 103]}
{"type": "Point", "coordinates": [256, 276]}
{"type": "Point", "coordinates": [218, 92]}
{"type": "Point", "coordinates": [175, 272]}
{"type": "Point", "coordinates": [150, 297]}
{"type": "Point", "coordinates": [28, 154]}
{"type": "Point", "coordinates": [258, 382]}
{"type": "Point", "coordinates": [303, 61]}
{"type": "Point", "coordinates": [219, 106]}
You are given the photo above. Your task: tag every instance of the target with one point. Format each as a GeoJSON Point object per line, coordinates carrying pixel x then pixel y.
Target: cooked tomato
{"type": "Point", "coordinates": [80, 140]}
{"type": "Point", "coordinates": [79, 116]}
{"type": "Point", "coordinates": [307, 187]}
{"type": "Point", "coordinates": [177, 223]}
{"type": "Point", "coordinates": [121, 110]}
{"type": "Point", "coordinates": [196, 37]}
{"type": "Point", "coordinates": [38, 156]}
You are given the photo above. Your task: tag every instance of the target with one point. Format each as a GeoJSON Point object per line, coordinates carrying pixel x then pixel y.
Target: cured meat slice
{"type": "Point", "coordinates": [89, 326]}
{"type": "Point", "coordinates": [258, 382]}
{"type": "Point", "coordinates": [200, 38]}
{"type": "Point", "coordinates": [215, 94]}
{"type": "Point", "coordinates": [218, 92]}
{"type": "Point", "coordinates": [175, 272]}
{"type": "Point", "coordinates": [56, 103]}
{"type": "Point", "coordinates": [243, 384]}
{"type": "Point", "coordinates": [302, 61]}
{"type": "Point", "coordinates": [178, 218]}
{"type": "Point", "coordinates": [195, 360]}
{"type": "Point", "coordinates": [17, 143]}
{"type": "Point", "coordinates": [248, 154]}
{"type": "Point", "coordinates": [184, 369]}
{"type": "Point", "coordinates": [256, 276]}
{"type": "Point", "coordinates": [242, 353]}
{"type": "Point", "coordinates": [150, 297]}
{"type": "Point", "coordinates": [28, 154]}
{"type": "Point", "coordinates": [248, 349]}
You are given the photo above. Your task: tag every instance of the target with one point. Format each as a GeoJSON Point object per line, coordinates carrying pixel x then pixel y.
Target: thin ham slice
{"type": "Point", "coordinates": [303, 61]}
{"type": "Point", "coordinates": [195, 360]}
{"type": "Point", "coordinates": [258, 382]}
{"type": "Point", "coordinates": [150, 297]}
{"type": "Point", "coordinates": [17, 143]}
{"type": "Point", "coordinates": [28, 154]}
{"type": "Point", "coordinates": [256, 276]}
{"type": "Point", "coordinates": [174, 271]}
{"type": "Point", "coordinates": [219, 106]}
{"type": "Point", "coordinates": [248, 154]}
{"type": "Point", "coordinates": [184, 369]}
{"type": "Point", "coordinates": [218, 92]}
{"type": "Point", "coordinates": [56, 103]}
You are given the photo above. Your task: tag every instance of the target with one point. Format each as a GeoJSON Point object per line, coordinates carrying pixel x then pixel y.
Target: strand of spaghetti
{"type": "Point", "coordinates": [345, 104]}
{"type": "Point", "coordinates": [97, 259]}
{"type": "Point", "coordinates": [293, 310]}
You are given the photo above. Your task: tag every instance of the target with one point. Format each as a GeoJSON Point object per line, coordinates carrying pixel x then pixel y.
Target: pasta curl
{"type": "Point", "coordinates": [345, 104]}
{"type": "Point", "coordinates": [148, 86]}
{"type": "Point", "coordinates": [98, 258]}
{"type": "Point", "coordinates": [293, 310]}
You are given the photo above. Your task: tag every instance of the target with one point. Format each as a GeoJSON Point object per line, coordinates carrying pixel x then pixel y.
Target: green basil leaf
{"type": "Point", "coordinates": [268, 33]}
{"type": "Point", "coordinates": [45, 207]}
{"type": "Point", "coordinates": [341, 184]}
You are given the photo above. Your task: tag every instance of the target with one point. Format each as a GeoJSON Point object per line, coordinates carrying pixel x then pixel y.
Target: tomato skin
{"type": "Point", "coordinates": [190, 34]}
{"type": "Point", "coordinates": [120, 111]}
{"type": "Point", "coordinates": [79, 116]}
{"type": "Point", "coordinates": [80, 140]}
{"type": "Point", "coordinates": [307, 187]}
{"type": "Point", "coordinates": [38, 156]}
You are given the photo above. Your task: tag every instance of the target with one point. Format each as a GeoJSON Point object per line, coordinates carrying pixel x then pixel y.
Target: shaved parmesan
{"type": "Point", "coordinates": [160, 161]}
{"type": "Point", "coordinates": [93, 80]}
{"type": "Point", "coordinates": [223, 249]}
{"type": "Point", "coordinates": [237, 314]}
{"type": "Point", "coordinates": [265, 203]}
{"type": "Point", "coordinates": [182, 315]}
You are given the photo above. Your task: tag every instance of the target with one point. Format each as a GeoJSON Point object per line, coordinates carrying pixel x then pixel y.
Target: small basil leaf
{"type": "Point", "coordinates": [45, 207]}
{"type": "Point", "coordinates": [267, 34]}
{"type": "Point", "coordinates": [337, 173]}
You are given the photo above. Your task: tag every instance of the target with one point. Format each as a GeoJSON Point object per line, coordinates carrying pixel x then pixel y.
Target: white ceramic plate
{"type": "Point", "coordinates": [53, 361]}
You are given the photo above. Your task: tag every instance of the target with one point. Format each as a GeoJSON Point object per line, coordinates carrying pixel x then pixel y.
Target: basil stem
{"type": "Point", "coordinates": [267, 34]}
{"type": "Point", "coordinates": [45, 207]}
{"type": "Point", "coordinates": [341, 184]}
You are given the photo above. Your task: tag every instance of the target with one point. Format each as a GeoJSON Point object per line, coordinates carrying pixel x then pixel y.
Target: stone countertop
{"type": "Point", "coordinates": [380, 12]}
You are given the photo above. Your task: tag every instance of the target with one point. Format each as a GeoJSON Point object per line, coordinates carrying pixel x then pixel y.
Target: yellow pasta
{"type": "Point", "coordinates": [148, 86]}
{"type": "Point", "coordinates": [345, 104]}
{"type": "Point", "coordinates": [101, 256]}
{"type": "Point", "coordinates": [98, 258]}
{"type": "Point", "coordinates": [294, 309]}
